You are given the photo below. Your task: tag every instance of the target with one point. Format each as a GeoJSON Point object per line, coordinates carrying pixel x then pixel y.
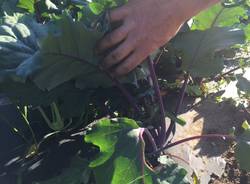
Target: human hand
{"type": "Point", "coordinates": [145, 26]}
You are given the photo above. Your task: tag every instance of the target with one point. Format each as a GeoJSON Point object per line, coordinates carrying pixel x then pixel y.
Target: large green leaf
{"type": "Point", "coordinates": [126, 164]}
{"type": "Point", "coordinates": [105, 135]}
{"type": "Point", "coordinates": [20, 43]}
{"type": "Point", "coordinates": [21, 56]}
{"type": "Point", "coordinates": [121, 158]}
{"type": "Point", "coordinates": [198, 49]}
{"type": "Point", "coordinates": [27, 70]}
{"type": "Point", "coordinates": [66, 54]}
{"type": "Point", "coordinates": [218, 16]}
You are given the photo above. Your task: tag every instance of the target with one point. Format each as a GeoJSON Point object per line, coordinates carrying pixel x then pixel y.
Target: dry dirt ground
{"type": "Point", "coordinates": [210, 117]}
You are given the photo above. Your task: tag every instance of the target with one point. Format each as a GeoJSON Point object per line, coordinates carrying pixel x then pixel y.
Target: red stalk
{"type": "Point", "coordinates": [162, 133]}
{"type": "Point", "coordinates": [209, 136]}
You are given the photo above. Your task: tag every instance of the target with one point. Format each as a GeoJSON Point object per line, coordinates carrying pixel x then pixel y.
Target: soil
{"type": "Point", "coordinates": [209, 117]}
{"type": "Point", "coordinates": [233, 174]}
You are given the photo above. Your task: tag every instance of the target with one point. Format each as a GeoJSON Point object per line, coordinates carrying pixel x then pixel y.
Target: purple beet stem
{"type": "Point", "coordinates": [207, 136]}
{"type": "Point", "coordinates": [180, 101]}
{"type": "Point", "coordinates": [162, 134]}
{"type": "Point", "coordinates": [151, 139]}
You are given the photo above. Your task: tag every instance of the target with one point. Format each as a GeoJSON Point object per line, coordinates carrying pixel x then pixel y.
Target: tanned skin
{"type": "Point", "coordinates": [146, 26]}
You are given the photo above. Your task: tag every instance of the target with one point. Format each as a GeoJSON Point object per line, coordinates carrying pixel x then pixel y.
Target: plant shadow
{"type": "Point", "coordinates": [210, 117]}
{"type": "Point", "coordinates": [218, 118]}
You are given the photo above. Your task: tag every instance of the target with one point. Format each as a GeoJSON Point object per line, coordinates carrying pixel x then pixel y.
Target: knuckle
{"type": "Point", "coordinates": [109, 39]}
{"type": "Point", "coordinates": [125, 69]}
{"type": "Point", "coordinates": [115, 56]}
{"type": "Point", "coordinates": [119, 33]}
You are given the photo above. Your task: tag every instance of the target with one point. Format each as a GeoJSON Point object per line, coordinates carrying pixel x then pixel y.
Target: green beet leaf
{"type": "Point", "coordinates": [218, 16]}
{"type": "Point", "coordinates": [96, 8]}
{"type": "Point", "coordinates": [126, 164]}
{"type": "Point", "coordinates": [198, 49]}
{"type": "Point", "coordinates": [28, 5]}
{"type": "Point", "coordinates": [61, 58]}
{"type": "Point", "coordinates": [20, 37]}
{"type": "Point", "coordinates": [214, 32]}
{"type": "Point", "coordinates": [34, 65]}
{"type": "Point", "coordinates": [105, 135]}
{"type": "Point", "coordinates": [121, 158]}
{"type": "Point", "coordinates": [121, 151]}
{"type": "Point", "coordinates": [68, 54]}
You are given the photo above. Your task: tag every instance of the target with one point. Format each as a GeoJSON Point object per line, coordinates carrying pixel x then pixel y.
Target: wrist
{"type": "Point", "coordinates": [190, 8]}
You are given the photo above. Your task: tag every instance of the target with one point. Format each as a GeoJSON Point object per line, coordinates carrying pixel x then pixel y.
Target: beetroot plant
{"type": "Point", "coordinates": [50, 71]}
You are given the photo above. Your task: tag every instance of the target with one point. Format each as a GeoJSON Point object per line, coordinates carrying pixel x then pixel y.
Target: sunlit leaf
{"type": "Point", "coordinates": [105, 135]}
{"type": "Point", "coordinates": [246, 125]}
{"type": "Point", "coordinates": [121, 157]}
{"type": "Point", "coordinates": [218, 16]}
{"type": "Point", "coordinates": [96, 8]}
{"type": "Point", "coordinates": [27, 5]}
{"type": "Point", "coordinates": [198, 49]}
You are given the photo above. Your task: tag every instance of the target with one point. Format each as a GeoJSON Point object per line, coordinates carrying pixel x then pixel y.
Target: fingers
{"type": "Point", "coordinates": [118, 14]}
{"type": "Point", "coordinates": [129, 64]}
{"type": "Point", "coordinates": [118, 54]}
{"type": "Point", "coordinates": [113, 38]}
